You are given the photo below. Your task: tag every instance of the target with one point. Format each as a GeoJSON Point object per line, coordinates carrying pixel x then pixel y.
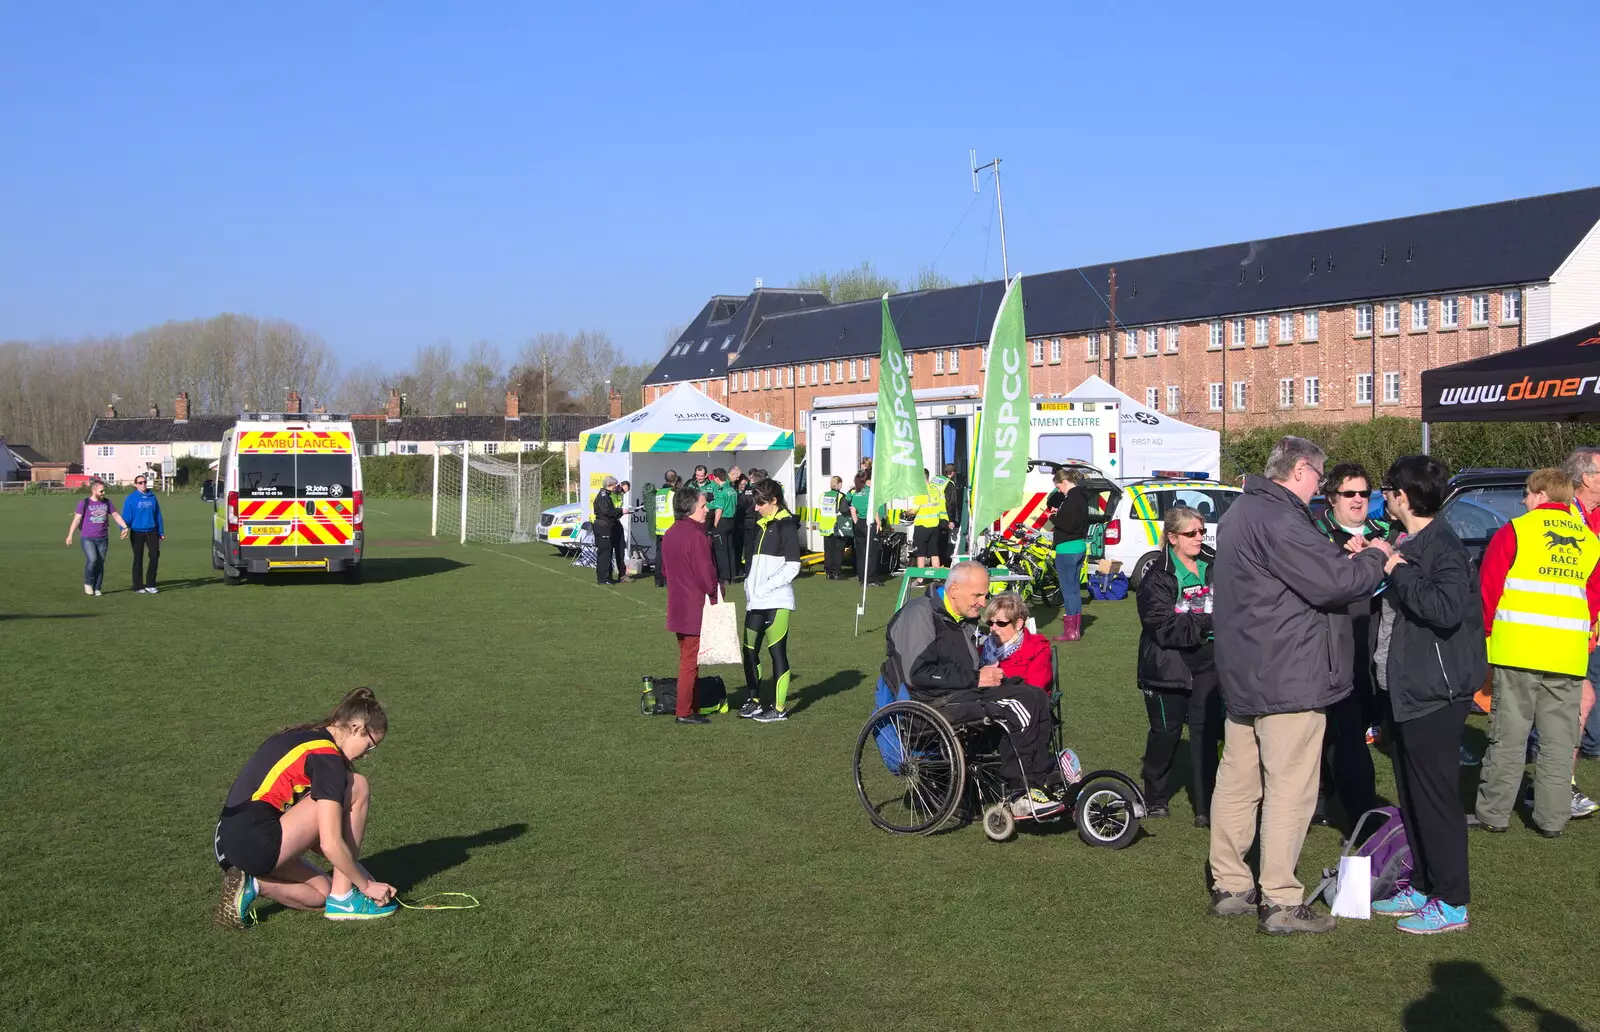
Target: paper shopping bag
{"type": "Point", "coordinates": [1354, 897]}
{"type": "Point", "coordinates": [719, 634]}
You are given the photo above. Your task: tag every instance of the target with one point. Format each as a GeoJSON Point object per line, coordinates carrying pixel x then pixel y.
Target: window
{"type": "Point", "coordinates": [1152, 397]}
{"type": "Point", "coordinates": [852, 370]}
{"type": "Point", "coordinates": [1391, 317]}
{"type": "Point", "coordinates": [866, 368]}
{"type": "Point", "coordinates": [1480, 309]}
{"type": "Point", "coordinates": [788, 375]}
{"type": "Point", "coordinates": [983, 358]}
{"type": "Point", "coordinates": [1313, 391]}
{"type": "Point", "coordinates": [827, 372]}
{"type": "Point", "coordinates": [1511, 306]}
{"type": "Point", "coordinates": [1391, 387]}
{"type": "Point", "coordinates": [726, 341]}
{"type": "Point", "coordinates": [408, 449]}
{"type": "Point", "coordinates": [1172, 399]}
{"type": "Point", "coordinates": [1172, 340]}
{"type": "Point", "coordinates": [1447, 313]}
{"type": "Point", "coordinates": [1239, 395]}
{"type": "Point", "coordinates": [955, 361]}
{"type": "Point", "coordinates": [802, 376]}
{"type": "Point", "coordinates": [1363, 319]}
{"type": "Point", "coordinates": [703, 345]}
{"type": "Point", "coordinates": [493, 447]}
{"type": "Point", "coordinates": [1285, 327]}
{"type": "Point", "coordinates": [1038, 352]}
{"type": "Point", "coordinates": [1130, 343]}
{"type": "Point", "coordinates": [1363, 388]}
{"type": "Point", "coordinates": [1238, 333]}
{"type": "Point", "coordinates": [1055, 349]}
{"type": "Point", "coordinates": [1150, 336]}
{"type": "Point", "coordinates": [938, 362]}
{"type": "Point", "coordinates": [1092, 351]}
{"type": "Point", "coordinates": [838, 372]}
{"type": "Point", "coordinates": [1419, 314]}
{"type": "Point", "coordinates": [1214, 396]}
{"type": "Point", "coordinates": [147, 451]}
{"type": "Point", "coordinates": [1313, 326]}
{"type": "Point", "coordinates": [814, 380]}
{"type": "Point", "coordinates": [1215, 340]}
{"type": "Point", "coordinates": [1263, 329]}
{"type": "Point", "coordinates": [911, 367]}
{"type": "Point", "coordinates": [766, 378]}
{"type": "Point", "coordinates": [1286, 392]}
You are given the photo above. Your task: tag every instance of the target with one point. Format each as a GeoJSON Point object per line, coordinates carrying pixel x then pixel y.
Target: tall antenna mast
{"type": "Point", "coordinates": [1000, 206]}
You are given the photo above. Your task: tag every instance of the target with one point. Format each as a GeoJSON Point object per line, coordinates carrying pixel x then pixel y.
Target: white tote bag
{"type": "Point", "coordinates": [719, 634]}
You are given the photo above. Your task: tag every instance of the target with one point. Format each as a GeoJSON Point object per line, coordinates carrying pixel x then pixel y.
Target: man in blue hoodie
{"type": "Point", "coordinates": [142, 513]}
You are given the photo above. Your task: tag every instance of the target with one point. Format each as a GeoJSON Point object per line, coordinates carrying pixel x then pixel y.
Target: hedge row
{"type": "Point", "coordinates": [1378, 442]}
{"type": "Point", "coordinates": [411, 476]}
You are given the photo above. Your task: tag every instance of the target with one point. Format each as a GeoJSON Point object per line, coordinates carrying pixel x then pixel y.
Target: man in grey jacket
{"type": "Point", "coordinates": [1284, 653]}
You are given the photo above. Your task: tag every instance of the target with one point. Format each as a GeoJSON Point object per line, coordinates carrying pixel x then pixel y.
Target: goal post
{"type": "Point", "coordinates": [485, 497]}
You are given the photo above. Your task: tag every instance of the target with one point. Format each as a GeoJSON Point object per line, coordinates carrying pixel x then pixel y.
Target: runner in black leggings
{"type": "Point", "coordinates": [769, 596]}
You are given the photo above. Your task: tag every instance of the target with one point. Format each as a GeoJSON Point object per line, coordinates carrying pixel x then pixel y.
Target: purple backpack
{"type": "Point", "coordinates": [1384, 842]}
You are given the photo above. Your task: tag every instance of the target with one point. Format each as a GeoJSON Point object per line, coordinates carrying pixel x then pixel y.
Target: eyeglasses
{"type": "Point", "coordinates": [1001, 623]}
{"type": "Point", "coordinates": [1355, 494]}
{"type": "Point", "coordinates": [1191, 533]}
{"type": "Point", "coordinates": [1312, 468]}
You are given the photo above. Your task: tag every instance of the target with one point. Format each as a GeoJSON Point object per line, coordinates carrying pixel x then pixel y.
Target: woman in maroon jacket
{"type": "Point", "coordinates": [691, 579]}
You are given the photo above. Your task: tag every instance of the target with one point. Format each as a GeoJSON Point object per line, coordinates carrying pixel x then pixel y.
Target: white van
{"type": "Point", "coordinates": [287, 497]}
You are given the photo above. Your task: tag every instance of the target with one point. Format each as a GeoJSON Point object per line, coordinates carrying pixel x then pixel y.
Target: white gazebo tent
{"type": "Point", "coordinates": [1150, 440]}
{"type": "Point", "coordinates": [679, 431]}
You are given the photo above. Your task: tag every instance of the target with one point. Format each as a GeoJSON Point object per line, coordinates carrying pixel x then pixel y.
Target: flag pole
{"type": "Point", "coordinates": [866, 575]}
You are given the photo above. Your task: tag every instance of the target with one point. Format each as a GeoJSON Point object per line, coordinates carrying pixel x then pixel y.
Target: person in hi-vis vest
{"type": "Point", "coordinates": [927, 536]}
{"type": "Point", "coordinates": [662, 515]}
{"type": "Point", "coordinates": [1541, 595]}
{"type": "Point", "coordinates": [835, 526]}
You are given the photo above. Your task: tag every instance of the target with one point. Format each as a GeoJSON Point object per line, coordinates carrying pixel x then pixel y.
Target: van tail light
{"type": "Point", "coordinates": [233, 512]}
{"type": "Point", "coordinates": [1114, 532]}
{"type": "Point", "coordinates": [1113, 443]}
{"type": "Point", "coordinates": [356, 519]}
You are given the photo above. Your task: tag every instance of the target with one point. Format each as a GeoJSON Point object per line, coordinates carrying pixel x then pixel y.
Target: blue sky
{"type": "Point", "coordinates": [399, 174]}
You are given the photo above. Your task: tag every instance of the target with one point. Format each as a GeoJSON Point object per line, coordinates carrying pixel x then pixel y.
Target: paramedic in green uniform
{"type": "Point", "coordinates": [860, 497]}
{"type": "Point", "coordinates": [724, 509]}
{"type": "Point", "coordinates": [663, 519]}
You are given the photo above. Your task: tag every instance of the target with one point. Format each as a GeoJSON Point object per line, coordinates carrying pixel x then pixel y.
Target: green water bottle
{"type": "Point", "coordinates": [647, 699]}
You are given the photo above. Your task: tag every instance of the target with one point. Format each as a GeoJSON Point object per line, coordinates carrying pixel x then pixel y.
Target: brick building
{"type": "Point", "coordinates": [1323, 326]}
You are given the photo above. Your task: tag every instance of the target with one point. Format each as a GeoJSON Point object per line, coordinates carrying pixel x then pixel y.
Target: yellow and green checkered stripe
{"type": "Point", "coordinates": [641, 442]}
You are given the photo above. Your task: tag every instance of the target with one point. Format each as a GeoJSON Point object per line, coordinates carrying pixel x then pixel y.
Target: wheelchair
{"type": "Point", "coordinates": [916, 772]}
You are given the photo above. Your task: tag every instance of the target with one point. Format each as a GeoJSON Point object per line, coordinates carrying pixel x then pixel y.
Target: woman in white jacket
{"type": "Point", "coordinates": [769, 599]}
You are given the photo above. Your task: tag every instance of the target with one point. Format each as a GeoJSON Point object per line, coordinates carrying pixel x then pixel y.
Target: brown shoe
{"type": "Point", "coordinates": [1279, 920]}
{"type": "Point", "coordinates": [1234, 904]}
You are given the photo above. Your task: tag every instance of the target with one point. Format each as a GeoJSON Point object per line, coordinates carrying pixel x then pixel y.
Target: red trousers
{"type": "Point", "coordinates": [688, 672]}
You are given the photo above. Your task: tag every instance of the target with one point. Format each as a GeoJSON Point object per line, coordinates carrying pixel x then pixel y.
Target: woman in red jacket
{"type": "Point", "coordinates": [1022, 656]}
{"type": "Point", "coordinates": [691, 579]}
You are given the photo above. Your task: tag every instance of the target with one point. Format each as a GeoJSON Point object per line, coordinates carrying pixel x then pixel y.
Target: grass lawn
{"type": "Point", "coordinates": [633, 874]}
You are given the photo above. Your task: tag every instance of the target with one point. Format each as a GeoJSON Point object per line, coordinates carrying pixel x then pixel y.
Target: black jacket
{"type": "Point", "coordinates": [1283, 596]}
{"type": "Point", "coordinates": [607, 516]}
{"type": "Point", "coordinates": [1070, 521]}
{"type": "Point", "coordinates": [954, 497]}
{"type": "Point", "coordinates": [1363, 611]}
{"type": "Point", "coordinates": [1436, 654]}
{"type": "Point", "coordinates": [929, 652]}
{"type": "Point", "coordinates": [1173, 646]}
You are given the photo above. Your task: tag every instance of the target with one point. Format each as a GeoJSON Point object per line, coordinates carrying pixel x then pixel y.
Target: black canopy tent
{"type": "Point", "coordinates": [1556, 379]}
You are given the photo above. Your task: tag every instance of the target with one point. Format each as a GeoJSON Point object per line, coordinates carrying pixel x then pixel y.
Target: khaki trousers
{"type": "Point", "coordinates": [1525, 699]}
{"type": "Point", "coordinates": [1269, 765]}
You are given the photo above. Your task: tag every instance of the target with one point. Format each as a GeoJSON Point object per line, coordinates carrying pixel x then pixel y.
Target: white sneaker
{"type": "Point", "coordinates": [1582, 805]}
{"type": "Point", "coordinates": [87, 590]}
{"type": "Point", "coordinates": [97, 591]}
{"type": "Point", "coordinates": [150, 590]}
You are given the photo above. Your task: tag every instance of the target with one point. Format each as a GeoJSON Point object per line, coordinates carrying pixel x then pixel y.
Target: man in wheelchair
{"type": "Point", "coordinates": [933, 652]}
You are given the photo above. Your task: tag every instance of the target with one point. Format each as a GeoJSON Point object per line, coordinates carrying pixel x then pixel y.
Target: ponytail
{"type": "Point", "coordinates": [359, 706]}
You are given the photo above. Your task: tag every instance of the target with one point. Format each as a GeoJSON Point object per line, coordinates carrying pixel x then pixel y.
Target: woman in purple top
{"type": "Point", "coordinates": [94, 514]}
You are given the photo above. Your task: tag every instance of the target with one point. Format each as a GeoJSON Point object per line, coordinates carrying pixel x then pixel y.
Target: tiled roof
{"type": "Point", "coordinates": [123, 430]}
{"type": "Point", "coordinates": [722, 328]}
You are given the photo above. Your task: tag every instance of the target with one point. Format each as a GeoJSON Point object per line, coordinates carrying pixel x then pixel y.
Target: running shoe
{"type": "Point", "coordinates": [1438, 916]}
{"type": "Point", "coordinates": [1036, 803]}
{"type": "Point", "coordinates": [1373, 734]}
{"type": "Point", "coordinates": [88, 589]}
{"type": "Point", "coordinates": [770, 715]}
{"type": "Point", "coordinates": [1404, 903]}
{"type": "Point", "coordinates": [356, 907]}
{"type": "Point", "coordinates": [1582, 805]}
{"type": "Point", "coordinates": [97, 591]}
{"type": "Point", "coordinates": [750, 708]}
{"type": "Point", "coordinates": [239, 892]}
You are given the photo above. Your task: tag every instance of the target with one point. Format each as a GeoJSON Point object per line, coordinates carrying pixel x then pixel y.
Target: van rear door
{"type": "Point", "coordinates": [296, 491]}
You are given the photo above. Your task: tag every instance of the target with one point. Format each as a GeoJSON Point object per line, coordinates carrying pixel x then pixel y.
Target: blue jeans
{"type": "Point", "coordinates": [1069, 571]}
{"type": "Point", "coordinates": [94, 560]}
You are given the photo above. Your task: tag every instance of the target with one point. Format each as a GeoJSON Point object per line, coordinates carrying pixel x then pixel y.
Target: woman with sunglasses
{"type": "Point", "coordinates": [1022, 656]}
{"type": "Point", "coordinates": [300, 792]}
{"type": "Point", "coordinates": [1177, 672]}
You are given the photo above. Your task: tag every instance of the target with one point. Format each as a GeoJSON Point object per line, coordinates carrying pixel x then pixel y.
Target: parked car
{"type": "Point", "coordinates": [559, 526]}
{"type": "Point", "coordinates": [1480, 502]}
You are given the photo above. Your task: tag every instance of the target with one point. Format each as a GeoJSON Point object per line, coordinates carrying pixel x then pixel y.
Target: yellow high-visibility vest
{"type": "Point", "coordinates": [828, 512]}
{"type": "Point", "coordinates": [1542, 621]}
{"type": "Point", "coordinates": [663, 510]}
{"type": "Point", "coordinates": [930, 507]}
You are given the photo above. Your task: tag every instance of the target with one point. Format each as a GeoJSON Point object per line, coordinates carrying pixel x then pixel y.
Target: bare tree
{"type": "Point", "coordinates": [853, 284]}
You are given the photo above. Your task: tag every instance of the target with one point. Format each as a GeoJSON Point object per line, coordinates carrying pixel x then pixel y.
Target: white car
{"type": "Point", "coordinates": [559, 525]}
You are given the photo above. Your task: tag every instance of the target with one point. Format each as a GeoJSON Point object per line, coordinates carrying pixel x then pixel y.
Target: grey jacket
{"type": "Point", "coordinates": [1283, 592]}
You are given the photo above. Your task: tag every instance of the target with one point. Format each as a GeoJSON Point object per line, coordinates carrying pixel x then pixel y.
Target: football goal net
{"type": "Point", "coordinates": [483, 497]}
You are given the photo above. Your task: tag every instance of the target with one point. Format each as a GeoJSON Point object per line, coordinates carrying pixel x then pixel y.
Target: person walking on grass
{"type": "Point", "coordinates": [1069, 525]}
{"type": "Point", "coordinates": [1541, 594]}
{"type": "Point", "coordinates": [1429, 660]}
{"type": "Point", "coordinates": [94, 515]}
{"type": "Point", "coordinates": [1283, 652]}
{"type": "Point", "coordinates": [691, 581]}
{"type": "Point", "coordinates": [299, 792]}
{"type": "Point", "coordinates": [769, 599]}
{"type": "Point", "coordinates": [141, 514]}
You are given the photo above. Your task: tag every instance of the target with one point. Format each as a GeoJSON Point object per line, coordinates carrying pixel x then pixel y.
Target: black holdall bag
{"type": "Point", "coordinates": [660, 696]}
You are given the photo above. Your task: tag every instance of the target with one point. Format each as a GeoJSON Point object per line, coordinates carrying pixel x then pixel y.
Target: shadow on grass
{"type": "Point", "coordinates": [1466, 998]}
{"type": "Point", "coordinates": [406, 866]}
{"type": "Point", "coordinates": [45, 616]}
{"type": "Point", "coordinates": [373, 571]}
{"type": "Point", "coordinates": [810, 695]}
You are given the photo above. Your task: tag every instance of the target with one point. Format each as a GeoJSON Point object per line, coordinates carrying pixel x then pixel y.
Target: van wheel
{"type": "Point", "coordinates": [1141, 568]}
{"type": "Point", "coordinates": [231, 576]}
{"type": "Point", "coordinates": [352, 574]}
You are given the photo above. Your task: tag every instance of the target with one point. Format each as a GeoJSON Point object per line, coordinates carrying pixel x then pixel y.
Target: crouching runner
{"type": "Point", "coordinates": [299, 793]}
{"type": "Point", "coordinates": [933, 653]}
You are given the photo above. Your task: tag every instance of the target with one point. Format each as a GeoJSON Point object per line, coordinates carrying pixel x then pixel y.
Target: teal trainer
{"type": "Point", "coordinates": [356, 907]}
{"type": "Point", "coordinates": [1402, 904]}
{"type": "Point", "coordinates": [239, 891]}
{"type": "Point", "coordinates": [1438, 916]}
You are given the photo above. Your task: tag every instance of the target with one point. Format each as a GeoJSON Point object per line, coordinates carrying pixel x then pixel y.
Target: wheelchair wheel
{"type": "Point", "coordinates": [910, 771]}
{"type": "Point", "coordinates": [998, 823]}
{"type": "Point", "coordinates": [1105, 814]}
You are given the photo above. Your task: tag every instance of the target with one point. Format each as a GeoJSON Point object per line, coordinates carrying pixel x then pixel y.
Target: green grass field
{"type": "Point", "coordinates": [633, 874]}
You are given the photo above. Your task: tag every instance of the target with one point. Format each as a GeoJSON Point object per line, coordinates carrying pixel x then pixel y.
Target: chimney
{"type": "Point", "coordinates": [461, 408]}
{"type": "Point", "coordinates": [111, 412]}
{"type": "Point", "coordinates": [513, 406]}
{"type": "Point", "coordinates": [180, 407]}
{"type": "Point", "coordinates": [393, 411]}
{"type": "Point", "coordinates": [293, 404]}
{"type": "Point", "coordinates": [320, 409]}
{"type": "Point", "coordinates": [616, 404]}
{"type": "Point", "coordinates": [155, 411]}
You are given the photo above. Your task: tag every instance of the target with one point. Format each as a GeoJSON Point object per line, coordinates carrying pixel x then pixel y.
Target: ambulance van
{"type": "Point", "coordinates": [287, 497]}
